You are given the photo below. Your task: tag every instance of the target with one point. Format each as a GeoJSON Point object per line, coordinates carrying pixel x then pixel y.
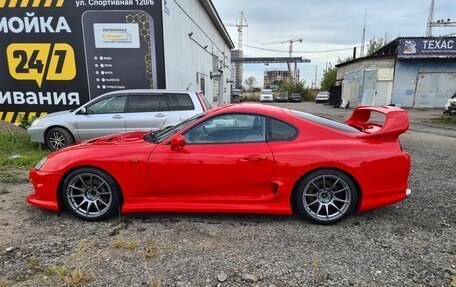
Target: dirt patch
{"type": "Point", "coordinates": [9, 127]}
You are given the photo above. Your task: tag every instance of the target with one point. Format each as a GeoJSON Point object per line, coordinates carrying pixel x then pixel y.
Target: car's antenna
{"type": "Point", "coordinates": [189, 86]}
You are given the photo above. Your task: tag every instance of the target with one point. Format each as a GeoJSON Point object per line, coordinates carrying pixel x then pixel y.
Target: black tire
{"type": "Point", "coordinates": [326, 196]}
{"type": "Point", "coordinates": [58, 138]}
{"type": "Point", "coordinates": [98, 184]}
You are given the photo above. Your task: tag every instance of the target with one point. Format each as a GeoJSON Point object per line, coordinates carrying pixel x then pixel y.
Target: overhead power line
{"type": "Point", "coordinates": [301, 52]}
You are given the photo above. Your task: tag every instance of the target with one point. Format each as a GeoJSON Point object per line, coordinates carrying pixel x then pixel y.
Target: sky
{"type": "Point", "coordinates": [324, 25]}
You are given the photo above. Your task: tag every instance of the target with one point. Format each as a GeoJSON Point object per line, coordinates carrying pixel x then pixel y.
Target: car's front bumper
{"type": "Point", "coordinates": [46, 188]}
{"type": "Point", "coordinates": [36, 134]}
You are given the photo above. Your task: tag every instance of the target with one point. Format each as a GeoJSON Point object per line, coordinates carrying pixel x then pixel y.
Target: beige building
{"type": "Point", "coordinates": [271, 76]}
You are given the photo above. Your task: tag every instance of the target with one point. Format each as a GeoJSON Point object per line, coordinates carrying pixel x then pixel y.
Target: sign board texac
{"type": "Point", "coordinates": [427, 47]}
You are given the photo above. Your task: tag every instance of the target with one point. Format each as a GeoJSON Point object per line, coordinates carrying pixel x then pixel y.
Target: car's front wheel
{"type": "Point", "coordinates": [326, 196]}
{"type": "Point", "coordinates": [91, 194]}
{"type": "Point", "coordinates": [58, 138]}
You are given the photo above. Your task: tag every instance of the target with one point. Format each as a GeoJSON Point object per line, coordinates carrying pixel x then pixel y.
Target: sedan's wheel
{"type": "Point", "coordinates": [58, 138]}
{"type": "Point", "coordinates": [326, 196]}
{"type": "Point", "coordinates": [91, 194]}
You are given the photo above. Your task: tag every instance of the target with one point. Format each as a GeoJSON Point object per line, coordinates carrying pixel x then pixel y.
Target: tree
{"type": "Point", "coordinates": [251, 82]}
{"type": "Point", "coordinates": [329, 78]}
{"type": "Point", "coordinates": [374, 45]}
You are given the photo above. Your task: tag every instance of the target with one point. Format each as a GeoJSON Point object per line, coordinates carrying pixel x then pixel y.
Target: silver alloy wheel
{"type": "Point", "coordinates": [89, 195]}
{"type": "Point", "coordinates": [326, 197]}
{"type": "Point", "coordinates": [57, 140]}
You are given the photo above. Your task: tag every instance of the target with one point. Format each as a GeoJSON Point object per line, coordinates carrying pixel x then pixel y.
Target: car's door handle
{"type": "Point", "coordinates": [160, 115]}
{"type": "Point", "coordinates": [117, 117]}
{"type": "Point", "coordinates": [255, 157]}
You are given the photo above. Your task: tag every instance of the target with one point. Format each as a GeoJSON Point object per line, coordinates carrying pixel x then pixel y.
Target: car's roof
{"type": "Point", "coordinates": [248, 108]}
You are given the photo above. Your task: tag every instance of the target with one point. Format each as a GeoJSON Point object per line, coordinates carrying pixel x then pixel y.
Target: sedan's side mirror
{"type": "Point", "coordinates": [82, 111]}
{"type": "Point", "coordinates": [178, 142]}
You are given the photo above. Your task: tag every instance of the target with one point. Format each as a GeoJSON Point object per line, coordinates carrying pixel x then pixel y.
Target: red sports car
{"type": "Point", "coordinates": [243, 158]}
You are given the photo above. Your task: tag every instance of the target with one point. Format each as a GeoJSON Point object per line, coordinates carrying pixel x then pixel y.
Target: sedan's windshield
{"type": "Point", "coordinates": [159, 136]}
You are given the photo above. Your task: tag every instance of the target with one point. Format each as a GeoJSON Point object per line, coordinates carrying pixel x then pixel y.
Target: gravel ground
{"type": "Point", "coordinates": [412, 243]}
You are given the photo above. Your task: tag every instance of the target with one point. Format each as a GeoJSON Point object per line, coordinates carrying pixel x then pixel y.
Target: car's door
{"type": "Point", "coordinates": [146, 112]}
{"type": "Point", "coordinates": [225, 158]}
{"type": "Point", "coordinates": [103, 117]}
{"type": "Point", "coordinates": [180, 107]}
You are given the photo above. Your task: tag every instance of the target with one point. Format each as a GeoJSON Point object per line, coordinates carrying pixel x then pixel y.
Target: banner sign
{"type": "Point", "coordinates": [58, 54]}
{"type": "Point", "coordinates": [444, 47]}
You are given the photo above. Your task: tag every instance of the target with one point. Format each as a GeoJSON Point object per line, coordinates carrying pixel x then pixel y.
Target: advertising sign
{"type": "Point", "coordinates": [58, 54]}
{"type": "Point", "coordinates": [444, 47]}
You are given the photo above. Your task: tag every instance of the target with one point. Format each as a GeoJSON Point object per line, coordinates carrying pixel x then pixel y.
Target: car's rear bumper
{"type": "Point", "coordinates": [378, 199]}
{"type": "Point", "coordinates": [36, 134]}
{"type": "Point", "coordinates": [46, 188]}
{"type": "Point", "coordinates": [396, 190]}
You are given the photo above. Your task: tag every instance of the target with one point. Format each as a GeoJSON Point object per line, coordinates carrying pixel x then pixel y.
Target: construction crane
{"type": "Point", "coordinates": [439, 23]}
{"type": "Point", "coordinates": [290, 52]}
{"type": "Point", "coordinates": [240, 25]}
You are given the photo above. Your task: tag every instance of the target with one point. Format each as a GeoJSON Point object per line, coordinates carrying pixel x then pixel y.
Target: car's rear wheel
{"type": "Point", "coordinates": [58, 138]}
{"type": "Point", "coordinates": [326, 196]}
{"type": "Point", "coordinates": [91, 194]}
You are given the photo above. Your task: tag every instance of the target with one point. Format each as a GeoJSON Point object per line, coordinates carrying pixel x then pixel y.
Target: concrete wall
{"type": "Point", "coordinates": [424, 83]}
{"type": "Point", "coordinates": [366, 64]}
{"type": "Point", "coordinates": [186, 60]}
{"type": "Point", "coordinates": [370, 87]}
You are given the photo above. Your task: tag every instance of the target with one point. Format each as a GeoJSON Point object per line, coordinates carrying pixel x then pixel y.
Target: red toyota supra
{"type": "Point", "coordinates": [243, 158]}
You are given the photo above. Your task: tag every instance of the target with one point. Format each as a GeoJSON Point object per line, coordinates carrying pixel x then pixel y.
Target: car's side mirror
{"type": "Point", "coordinates": [178, 142]}
{"type": "Point", "coordinates": [82, 111]}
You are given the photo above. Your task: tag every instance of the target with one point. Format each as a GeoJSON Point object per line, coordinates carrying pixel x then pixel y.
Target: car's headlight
{"type": "Point", "coordinates": [40, 164]}
{"type": "Point", "coordinates": [35, 122]}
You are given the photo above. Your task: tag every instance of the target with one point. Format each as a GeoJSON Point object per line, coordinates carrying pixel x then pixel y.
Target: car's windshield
{"type": "Point", "coordinates": [159, 136]}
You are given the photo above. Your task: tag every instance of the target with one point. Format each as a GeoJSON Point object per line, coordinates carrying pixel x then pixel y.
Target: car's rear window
{"type": "Point", "coordinates": [180, 102]}
{"type": "Point", "coordinates": [325, 122]}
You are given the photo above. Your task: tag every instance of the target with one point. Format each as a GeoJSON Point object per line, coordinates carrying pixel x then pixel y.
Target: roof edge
{"type": "Point", "coordinates": [213, 14]}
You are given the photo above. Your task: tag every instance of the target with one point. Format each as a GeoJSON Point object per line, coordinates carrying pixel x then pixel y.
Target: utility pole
{"type": "Point", "coordinates": [439, 23]}
{"type": "Point", "coordinates": [290, 53]}
{"type": "Point", "coordinates": [314, 84]}
{"type": "Point", "coordinates": [430, 20]}
{"type": "Point", "coordinates": [363, 40]}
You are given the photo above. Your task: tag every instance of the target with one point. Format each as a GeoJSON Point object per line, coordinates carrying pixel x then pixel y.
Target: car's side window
{"type": "Point", "coordinates": [146, 103]}
{"type": "Point", "coordinates": [180, 102]}
{"type": "Point", "coordinates": [109, 105]}
{"type": "Point", "coordinates": [229, 128]}
{"type": "Point", "coordinates": [281, 131]}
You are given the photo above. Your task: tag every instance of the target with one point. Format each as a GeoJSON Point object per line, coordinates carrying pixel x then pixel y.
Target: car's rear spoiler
{"type": "Point", "coordinates": [396, 122]}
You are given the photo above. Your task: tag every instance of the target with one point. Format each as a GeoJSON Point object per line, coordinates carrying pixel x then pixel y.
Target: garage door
{"type": "Point", "coordinates": [434, 89]}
